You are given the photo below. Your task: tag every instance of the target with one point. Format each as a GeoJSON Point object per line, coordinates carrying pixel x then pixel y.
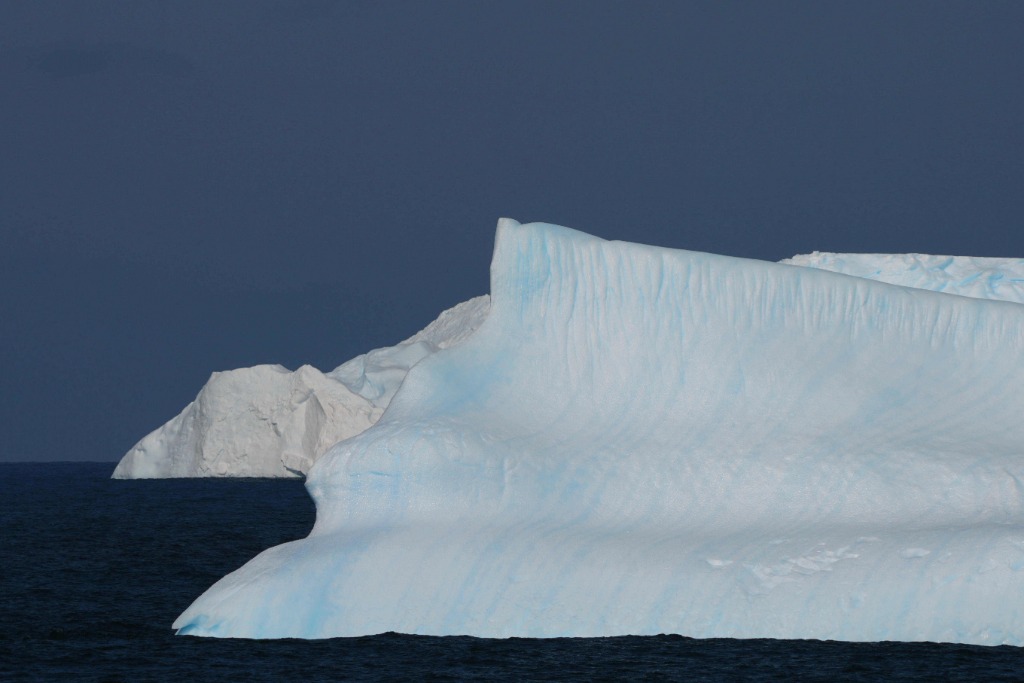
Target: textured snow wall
{"type": "Point", "coordinates": [973, 276]}
{"type": "Point", "coordinates": [642, 440]}
{"type": "Point", "coordinates": [266, 421]}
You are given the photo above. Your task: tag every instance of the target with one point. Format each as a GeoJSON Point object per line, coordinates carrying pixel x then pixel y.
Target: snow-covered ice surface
{"type": "Point", "coordinates": [973, 276]}
{"type": "Point", "coordinates": [266, 421]}
{"type": "Point", "coordinates": [641, 440]}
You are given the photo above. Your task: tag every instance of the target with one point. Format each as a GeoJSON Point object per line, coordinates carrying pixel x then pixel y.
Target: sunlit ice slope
{"type": "Point", "coordinates": [641, 440]}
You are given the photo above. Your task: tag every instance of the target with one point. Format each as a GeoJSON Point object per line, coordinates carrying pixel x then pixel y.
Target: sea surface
{"type": "Point", "coordinates": [93, 571]}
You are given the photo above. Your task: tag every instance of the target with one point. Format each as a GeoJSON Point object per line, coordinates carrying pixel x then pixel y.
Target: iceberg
{"type": "Point", "coordinates": [639, 440]}
{"type": "Point", "coordinates": [267, 421]}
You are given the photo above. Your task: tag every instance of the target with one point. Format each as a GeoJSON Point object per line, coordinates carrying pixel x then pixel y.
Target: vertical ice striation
{"type": "Point", "coordinates": [641, 440]}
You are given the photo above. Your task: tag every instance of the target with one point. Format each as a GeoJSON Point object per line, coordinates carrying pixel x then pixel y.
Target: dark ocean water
{"type": "Point", "coordinates": [93, 572]}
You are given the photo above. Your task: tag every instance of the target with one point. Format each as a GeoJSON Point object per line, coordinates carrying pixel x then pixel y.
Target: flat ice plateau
{"type": "Point", "coordinates": [640, 440]}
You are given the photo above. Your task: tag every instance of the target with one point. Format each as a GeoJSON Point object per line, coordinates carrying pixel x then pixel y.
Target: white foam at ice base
{"type": "Point", "coordinates": [266, 421]}
{"type": "Point", "coordinates": [641, 440]}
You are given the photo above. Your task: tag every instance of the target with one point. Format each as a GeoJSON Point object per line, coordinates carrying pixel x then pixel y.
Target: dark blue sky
{"type": "Point", "coordinates": [193, 186]}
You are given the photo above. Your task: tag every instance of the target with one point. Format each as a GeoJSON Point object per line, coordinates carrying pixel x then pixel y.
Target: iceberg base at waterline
{"type": "Point", "coordinates": [641, 440]}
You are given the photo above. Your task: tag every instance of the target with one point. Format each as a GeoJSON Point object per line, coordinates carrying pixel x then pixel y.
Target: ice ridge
{"type": "Point", "coordinates": [973, 276]}
{"type": "Point", "coordinates": [641, 440]}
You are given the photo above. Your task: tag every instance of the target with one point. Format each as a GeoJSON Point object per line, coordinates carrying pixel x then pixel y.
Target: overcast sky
{"type": "Point", "coordinates": [201, 185]}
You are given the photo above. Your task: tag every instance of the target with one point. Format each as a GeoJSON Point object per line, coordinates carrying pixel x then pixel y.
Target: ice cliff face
{"type": "Point", "coordinates": [266, 421]}
{"type": "Point", "coordinates": [641, 440]}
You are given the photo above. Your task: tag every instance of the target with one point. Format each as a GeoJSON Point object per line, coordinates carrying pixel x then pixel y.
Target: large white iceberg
{"type": "Point", "coordinates": [640, 440]}
{"type": "Point", "coordinates": [267, 421]}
